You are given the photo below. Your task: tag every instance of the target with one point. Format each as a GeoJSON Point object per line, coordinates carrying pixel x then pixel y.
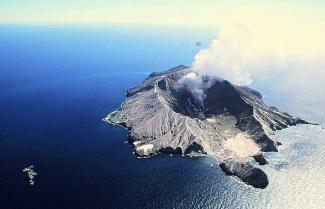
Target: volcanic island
{"type": "Point", "coordinates": [232, 124]}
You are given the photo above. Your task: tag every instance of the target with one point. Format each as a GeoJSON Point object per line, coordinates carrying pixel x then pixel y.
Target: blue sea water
{"type": "Point", "coordinates": [56, 85]}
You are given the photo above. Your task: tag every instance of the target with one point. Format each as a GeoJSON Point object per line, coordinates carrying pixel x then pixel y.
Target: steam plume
{"type": "Point", "coordinates": [288, 57]}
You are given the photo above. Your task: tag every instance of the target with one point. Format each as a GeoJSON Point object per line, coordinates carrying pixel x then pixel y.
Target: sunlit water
{"type": "Point", "coordinates": [57, 83]}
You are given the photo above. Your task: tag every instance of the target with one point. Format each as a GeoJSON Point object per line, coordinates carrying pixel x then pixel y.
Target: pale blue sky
{"type": "Point", "coordinates": [184, 12]}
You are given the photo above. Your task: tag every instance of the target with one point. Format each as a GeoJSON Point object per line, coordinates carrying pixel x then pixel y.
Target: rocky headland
{"type": "Point", "coordinates": [232, 124]}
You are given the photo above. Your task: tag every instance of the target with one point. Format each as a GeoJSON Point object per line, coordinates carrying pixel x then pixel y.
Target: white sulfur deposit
{"type": "Point", "coordinates": [145, 149]}
{"type": "Point", "coordinates": [242, 145]}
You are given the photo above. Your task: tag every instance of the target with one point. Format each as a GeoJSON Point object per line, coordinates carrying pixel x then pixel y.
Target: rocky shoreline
{"type": "Point", "coordinates": [233, 125]}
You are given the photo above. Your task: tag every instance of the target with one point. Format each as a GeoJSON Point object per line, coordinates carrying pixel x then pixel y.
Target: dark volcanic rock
{"type": "Point", "coordinates": [260, 159]}
{"type": "Point", "coordinates": [231, 124]}
{"type": "Point", "coordinates": [246, 172]}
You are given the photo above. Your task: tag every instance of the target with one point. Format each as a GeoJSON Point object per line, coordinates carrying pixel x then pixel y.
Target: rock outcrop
{"type": "Point", "coordinates": [232, 125]}
{"type": "Point", "coordinates": [30, 174]}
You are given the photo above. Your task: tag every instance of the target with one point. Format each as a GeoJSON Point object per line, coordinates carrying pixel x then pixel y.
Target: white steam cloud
{"type": "Point", "coordinates": [285, 56]}
{"type": "Point", "coordinates": [229, 57]}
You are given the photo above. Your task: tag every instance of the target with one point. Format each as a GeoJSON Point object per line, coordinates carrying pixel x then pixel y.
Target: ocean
{"type": "Point", "coordinates": [57, 83]}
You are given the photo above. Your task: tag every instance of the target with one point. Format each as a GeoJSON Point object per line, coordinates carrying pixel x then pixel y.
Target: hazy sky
{"type": "Point", "coordinates": [179, 12]}
{"type": "Point", "coordinates": [277, 43]}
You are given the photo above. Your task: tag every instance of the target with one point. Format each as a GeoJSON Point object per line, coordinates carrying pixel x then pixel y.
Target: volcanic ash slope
{"type": "Point", "coordinates": [232, 124]}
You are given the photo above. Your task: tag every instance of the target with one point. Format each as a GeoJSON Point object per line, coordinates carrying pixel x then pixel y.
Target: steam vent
{"type": "Point", "coordinates": [232, 124]}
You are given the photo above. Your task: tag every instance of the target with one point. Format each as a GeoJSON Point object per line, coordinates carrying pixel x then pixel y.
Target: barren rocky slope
{"type": "Point", "coordinates": [233, 125]}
